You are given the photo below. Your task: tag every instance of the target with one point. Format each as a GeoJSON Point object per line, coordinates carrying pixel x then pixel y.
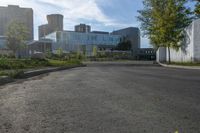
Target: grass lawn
{"type": "Point", "coordinates": [58, 63]}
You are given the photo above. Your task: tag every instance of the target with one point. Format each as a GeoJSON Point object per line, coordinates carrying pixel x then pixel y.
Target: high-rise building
{"type": "Point", "coordinates": [15, 13]}
{"type": "Point", "coordinates": [55, 23]}
{"type": "Point", "coordinates": [43, 30]}
{"type": "Point", "coordinates": [82, 28]}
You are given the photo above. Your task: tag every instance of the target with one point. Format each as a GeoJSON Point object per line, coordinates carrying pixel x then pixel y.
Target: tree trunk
{"type": "Point", "coordinates": [169, 55]}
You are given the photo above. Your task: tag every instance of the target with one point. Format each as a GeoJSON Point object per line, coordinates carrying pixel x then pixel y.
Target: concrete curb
{"type": "Point", "coordinates": [180, 67]}
{"type": "Point", "coordinates": [48, 70]}
{"type": "Point", "coordinates": [5, 79]}
{"type": "Point", "coordinates": [122, 63]}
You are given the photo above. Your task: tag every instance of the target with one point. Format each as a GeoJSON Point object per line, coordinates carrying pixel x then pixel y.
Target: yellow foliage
{"type": "Point", "coordinates": [176, 132]}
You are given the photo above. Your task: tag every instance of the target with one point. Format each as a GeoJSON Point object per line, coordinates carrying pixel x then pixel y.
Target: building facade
{"type": "Point", "coordinates": [43, 30]}
{"type": "Point", "coordinates": [42, 46]}
{"type": "Point", "coordinates": [82, 28]}
{"type": "Point", "coordinates": [70, 41]}
{"type": "Point", "coordinates": [3, 42]}
{"type": "Point", "coordinates": [132, 34]}
{"type": "Point", "coordinates": [146, 54]}
{"type": "Point", "coordinates": [190, 48]}
{"type": "Point", "coordinates": [100, 32]}
{"type": "Point", "coordinates": [55, 23]}
{"type": "Point", "coordinates": [15, 13]}
{"type": "Point", "coordinates": [85, 40]}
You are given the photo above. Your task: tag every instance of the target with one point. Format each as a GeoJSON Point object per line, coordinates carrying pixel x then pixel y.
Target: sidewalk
{"type": "Point", "coordinates": [181, 67]}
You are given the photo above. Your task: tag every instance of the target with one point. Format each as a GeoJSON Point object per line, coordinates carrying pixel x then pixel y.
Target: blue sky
{"type": "Point", "coordinates": [106, 15]}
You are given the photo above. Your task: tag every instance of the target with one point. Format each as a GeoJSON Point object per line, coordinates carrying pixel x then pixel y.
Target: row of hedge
{"type": "Point", "coordinates": [10, 64]}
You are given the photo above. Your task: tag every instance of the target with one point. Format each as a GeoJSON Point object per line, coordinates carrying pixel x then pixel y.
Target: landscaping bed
{"type": "Point", "coordinates": [16, 67]}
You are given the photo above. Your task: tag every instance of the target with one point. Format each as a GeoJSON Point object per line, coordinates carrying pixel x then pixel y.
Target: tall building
{"type": "Point", "coordinates": [55, 23]}
{"type": "Point", "coordinates": [43, 30]}
{"type": "Point", "coordinates": [132, 34]}
{"type": "Point", "coordinates": [15, 13]}
{"type": "Point", "coordinates": [82, 28]}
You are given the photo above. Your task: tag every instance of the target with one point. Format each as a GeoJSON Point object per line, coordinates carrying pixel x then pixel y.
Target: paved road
{"type": "Point", "coordinates": [104, 99]}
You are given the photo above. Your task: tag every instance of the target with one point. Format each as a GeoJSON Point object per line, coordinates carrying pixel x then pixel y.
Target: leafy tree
{"type": "Point", "coordinates": [59, 53]}
{"type": "Point", "coordinates": [197, 8]}
{"type": "Point", "coordinates": [78, 53]}
{"type": "Point", "coordinates": [94, 51]}
{"type": "Point", "coordinates": [163, 21]}
{"type": "Point", "coordinates": [48, 53]}
{"type": "Point", "coordinates": [196, 11]}
{"type": "Point", "coordinates": [124, 45]}
{"type": "Point", "coordinates": [17, 34]}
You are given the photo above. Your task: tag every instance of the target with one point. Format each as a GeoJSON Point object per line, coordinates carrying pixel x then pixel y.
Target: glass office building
{"type": "Point", "coordinates": [70, 41]}
{"type": "Point", "coordinates": [3, 42]}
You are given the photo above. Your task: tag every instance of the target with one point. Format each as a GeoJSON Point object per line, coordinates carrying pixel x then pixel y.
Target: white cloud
{"type": "Point", "coordinates": [74, 11]}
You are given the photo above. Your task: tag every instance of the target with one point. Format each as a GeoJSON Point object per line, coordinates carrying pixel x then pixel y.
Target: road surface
{"type": "Point", "coordinates": [104, 98]}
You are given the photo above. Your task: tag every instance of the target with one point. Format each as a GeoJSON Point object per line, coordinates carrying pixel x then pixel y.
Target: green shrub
{"type": "Point", "coordinates": [9, 64]}
{"type": "Point", "coordinates": [63, 63]}
{"type": "Point", "coordinates": [16, 74]}
{"type": "Point", "coordinates": [15, 64]}
{"type": "Point", "coordinates": [3, 73]}
{"type": "Point", "coordinates": [12, 73]}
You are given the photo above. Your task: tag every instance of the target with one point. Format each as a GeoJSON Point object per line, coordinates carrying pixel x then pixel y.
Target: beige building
{"type": "Point", "coordinates": [55, 23]}
{"type": "Point", "coordinates": [15, 13]}
{"type": "Point", "coordinates": [82, 28]}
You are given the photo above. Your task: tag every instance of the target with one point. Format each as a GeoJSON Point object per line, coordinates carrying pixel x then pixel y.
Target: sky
{"type": "Point", "coordinates": [104, 15]}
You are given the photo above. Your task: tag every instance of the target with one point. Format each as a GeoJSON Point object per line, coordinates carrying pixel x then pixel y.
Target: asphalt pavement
{"type": "Point", "coordinates": [104, 98]}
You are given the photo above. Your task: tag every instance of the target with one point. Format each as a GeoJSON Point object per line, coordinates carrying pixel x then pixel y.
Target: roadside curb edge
{"type": "Point", "coordinates": [180, 67]}
{"type": "Point", "coordinates": [6, 79]}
